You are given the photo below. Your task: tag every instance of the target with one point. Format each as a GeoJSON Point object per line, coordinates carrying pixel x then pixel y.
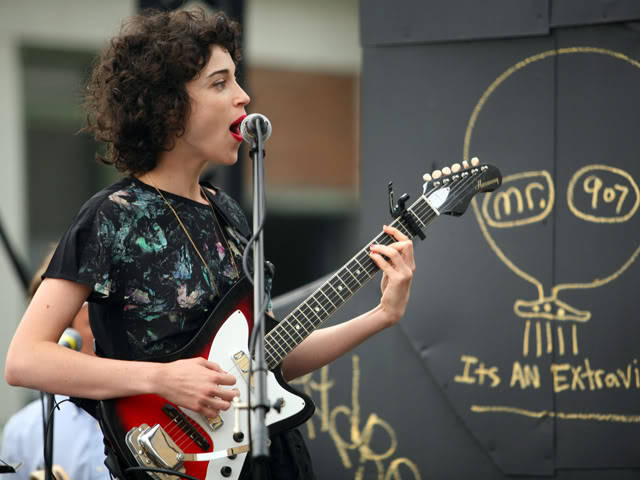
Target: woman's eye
{"type": "Point", "coordinates": [219, 84]}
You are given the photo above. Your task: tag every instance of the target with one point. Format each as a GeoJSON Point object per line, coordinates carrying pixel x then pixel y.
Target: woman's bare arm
{"type": "Point", "coordinates": [35, 360]}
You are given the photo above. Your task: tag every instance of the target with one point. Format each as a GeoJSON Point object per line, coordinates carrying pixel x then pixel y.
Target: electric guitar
{"type": "Point", "coordinates": [150, 432]}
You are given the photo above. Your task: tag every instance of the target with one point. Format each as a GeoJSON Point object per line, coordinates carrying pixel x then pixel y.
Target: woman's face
{"type": "Point", "coordinates": [212, 130]}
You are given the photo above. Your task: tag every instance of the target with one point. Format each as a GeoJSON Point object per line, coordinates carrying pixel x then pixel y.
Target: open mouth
{"type": "Point", "coordinates": [235, 128]}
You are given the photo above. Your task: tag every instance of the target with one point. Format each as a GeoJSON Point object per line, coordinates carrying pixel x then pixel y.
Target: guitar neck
{"type": "Point", "coordinates": [322, 303]}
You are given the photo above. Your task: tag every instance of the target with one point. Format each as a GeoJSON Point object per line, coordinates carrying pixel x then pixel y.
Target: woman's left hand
{"type": "Point", "coordinates": [397, 264]}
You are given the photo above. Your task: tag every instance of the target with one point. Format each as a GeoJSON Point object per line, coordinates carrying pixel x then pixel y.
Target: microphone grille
{"type": "Point", "coordinates": [248, 127]}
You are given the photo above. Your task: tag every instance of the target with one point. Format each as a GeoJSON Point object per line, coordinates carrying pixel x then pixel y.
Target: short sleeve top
{"type": "Point", "coordinates": [150, 290]}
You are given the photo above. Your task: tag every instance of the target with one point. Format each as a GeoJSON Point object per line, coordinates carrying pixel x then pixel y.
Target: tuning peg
{"type": "Point", "coordinates": [446, 171]}
{"type": "Point", "coordinates": [436, 174]}
{"type": "Point", "coordinates": [465, 164]}
{"type": "Point", "coordinates": [455, 168]}
{"type": "Point", "coordinates": [426, 177]}
{"type": "Point", "coordinates": [475, 161]}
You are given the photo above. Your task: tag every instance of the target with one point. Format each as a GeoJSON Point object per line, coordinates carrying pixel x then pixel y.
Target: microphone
{"type": "Point", "coordinates": [72, 339]}
{"type": "Point", "coordinates": [248, 128]}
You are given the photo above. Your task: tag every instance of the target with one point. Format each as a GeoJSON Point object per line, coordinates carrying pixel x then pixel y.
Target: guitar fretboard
{"type": "Point", "coordinates": [321, 304]}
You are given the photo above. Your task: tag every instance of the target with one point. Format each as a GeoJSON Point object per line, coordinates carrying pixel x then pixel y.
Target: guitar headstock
{"type": "Point", "coordinates": [451, 189]}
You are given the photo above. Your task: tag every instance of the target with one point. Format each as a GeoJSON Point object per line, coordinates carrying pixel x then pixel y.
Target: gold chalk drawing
{"type": "Point", "coordinates": [595, 189]}
{"type": "Point", "coordinates": [601, 417]}
{"type": "Point", "coordinates": [597, 193]}
{"type": "Point", "coordinates": [358, 439]}
{"type": "Point", "coordinates": [534, 205]}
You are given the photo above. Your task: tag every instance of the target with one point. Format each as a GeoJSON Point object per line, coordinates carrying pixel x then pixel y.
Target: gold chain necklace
{"type": "Point", "coordinates": [193, 244]}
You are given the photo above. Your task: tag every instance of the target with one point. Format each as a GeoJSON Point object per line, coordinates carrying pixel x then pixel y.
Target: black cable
{"type": "Point", "coordinates": [253, 337]}
{"type": "Point", "coordinates": [245, 253]}
{"type": "Point", "coordinates": [160, 470]}
{"type": "Point", "coordinates": [48, 441]}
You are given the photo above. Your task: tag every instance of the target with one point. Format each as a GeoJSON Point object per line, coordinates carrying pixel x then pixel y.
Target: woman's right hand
{"type": "Point", "coordinates": [196, 384]}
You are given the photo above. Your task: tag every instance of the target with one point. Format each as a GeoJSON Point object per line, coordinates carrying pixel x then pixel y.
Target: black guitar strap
{"type": "Point", "coordinates": [240, 228]}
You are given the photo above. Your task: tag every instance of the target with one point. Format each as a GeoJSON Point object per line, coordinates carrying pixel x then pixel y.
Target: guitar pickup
{"type": "Point", "coordinates": [181, 420]}
{"type": "Point", "coordinates": [241, 361]}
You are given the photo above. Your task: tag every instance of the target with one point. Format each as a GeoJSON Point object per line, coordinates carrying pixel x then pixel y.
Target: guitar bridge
{"type": "Point", "coordinates": [152, 447]}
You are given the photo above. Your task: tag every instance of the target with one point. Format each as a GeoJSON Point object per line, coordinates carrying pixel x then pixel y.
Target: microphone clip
{"type": "Point", "coordinates": [400, 211]}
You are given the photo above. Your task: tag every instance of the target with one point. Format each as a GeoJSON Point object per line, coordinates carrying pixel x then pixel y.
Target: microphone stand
{"type": "Point", "coordinates": [49, 401]}
{"type": "Point", "coordinates": [259, 435]}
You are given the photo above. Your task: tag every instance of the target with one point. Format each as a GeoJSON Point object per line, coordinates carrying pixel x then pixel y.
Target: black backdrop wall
{"type": "Point", "coordinates": [519, 353]}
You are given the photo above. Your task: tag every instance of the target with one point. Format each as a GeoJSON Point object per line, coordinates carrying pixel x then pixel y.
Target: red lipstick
{"type": "Point", "coordinates": [235, 128]}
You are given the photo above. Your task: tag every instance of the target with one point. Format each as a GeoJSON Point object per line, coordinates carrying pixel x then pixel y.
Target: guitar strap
{"type": "Point", "coordinates": [240, 229]}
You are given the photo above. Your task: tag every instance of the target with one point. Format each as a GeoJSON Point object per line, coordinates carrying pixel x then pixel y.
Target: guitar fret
{"type": "Point", "coordinates": [400, 226]}
{"type": "Point", "coordinates": [317, 307]}
{"type": "Point", "coordinates": [267, 343]}
{"type": "Point", "coordinates": [300, 317]}
{"type": "Point", "coordinates": [283, 327]}
{"type": "Point", "coordinates": [352, 275]}
{"type": "Point", "coordinates": [417, 218]}
{"type": "Point", "coordinates": [343, 283]}
{"type": "Point", "coordinates": [299, 324]}
{"type": "Point", "coordinates": [325, 295]}
{"type": "Point", "coordinates": [277, 346]}
{"type": "Point", "coordinates": [276, 331]}
{"type": "Point", "coordinates": [311, 314]}
{"type": "Point", "coordinates": [369, 267]}
{"type": "Point", "coordinates": [360, 268]}
{"type": "Point", "coordinates": [336, 289]}
{"type": "Point", "coordinates": [288, 327]}
{"type": "Point", "coordinates": [271, 360]}
{"type": "Point", "coordinates": [404, 229]}
{"type": "Point", "coordinates": [428, 212]}
{"type": "Point", "coordinates": [306, 317]}
{"type": "Point", "coordinates": [347, 278]}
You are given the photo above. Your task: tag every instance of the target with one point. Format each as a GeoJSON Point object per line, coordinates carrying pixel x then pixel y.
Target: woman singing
{"type": "Point", "coordinates": [151, 253]}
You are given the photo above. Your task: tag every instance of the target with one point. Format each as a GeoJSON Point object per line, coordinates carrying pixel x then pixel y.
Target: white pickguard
{"type": "Point", "coordinates": [233, 337]}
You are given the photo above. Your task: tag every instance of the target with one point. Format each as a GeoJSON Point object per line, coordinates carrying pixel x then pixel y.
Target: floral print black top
{"type": "Point", "coordinates": [150, 291]}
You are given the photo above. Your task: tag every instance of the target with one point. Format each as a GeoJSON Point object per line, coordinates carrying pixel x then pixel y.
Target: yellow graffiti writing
{"type": "Point", "coordinates": [600, 417]}
{"type": "Point", "coordinates": [525, 376]}
{"type": "Point", "coordinates": [598, 194]}
{"type": "Point", "coordinates": [584, 377]}
{"type": "Point", "coordinates": [511, 201]}
{"type": "Point", "coordinates": [593, 185]}
{"type": "Point", "coordinates": [563, 376]}
{"type": "Point", "coordinates": [478, 374]}
{"type": "Point", "coordinates": [359, 438]}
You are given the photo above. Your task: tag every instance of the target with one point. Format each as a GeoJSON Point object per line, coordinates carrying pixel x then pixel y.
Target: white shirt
{"type": "Point", "coordinates": [77, 442]}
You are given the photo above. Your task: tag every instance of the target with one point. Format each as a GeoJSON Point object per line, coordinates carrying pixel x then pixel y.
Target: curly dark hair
{"type": "Point", "coordinates": [136, 100]}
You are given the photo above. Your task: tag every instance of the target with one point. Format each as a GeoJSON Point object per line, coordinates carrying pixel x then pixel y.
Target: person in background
{"type": "Point", "coordinates": [78, 448]}
{"type": "Point", "coordinates": [151, 254]}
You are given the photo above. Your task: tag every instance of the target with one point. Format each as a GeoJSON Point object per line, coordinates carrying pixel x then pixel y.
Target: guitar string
{"type": "Point", "coordinates": [182, 435]}
{"type": "Point", "coordinates": [370, 268]}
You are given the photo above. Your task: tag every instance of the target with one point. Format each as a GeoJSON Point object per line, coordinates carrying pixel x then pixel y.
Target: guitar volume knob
{"type": "Point", "coordinates": [225, 471]}
{"type": "Point", "coordinates": [238, 436]}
